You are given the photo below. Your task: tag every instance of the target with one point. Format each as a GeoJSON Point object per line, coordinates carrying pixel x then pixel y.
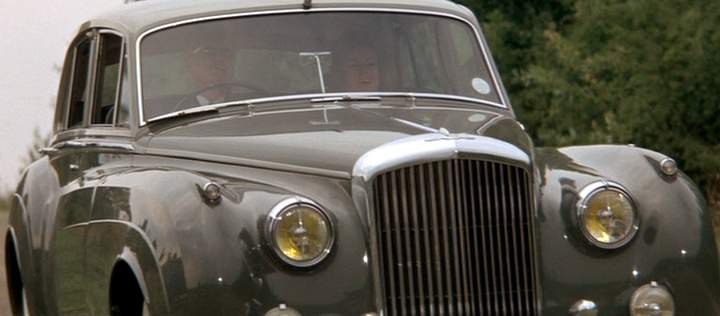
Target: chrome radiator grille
{"type": "Point", "coordinates": [454, 238]}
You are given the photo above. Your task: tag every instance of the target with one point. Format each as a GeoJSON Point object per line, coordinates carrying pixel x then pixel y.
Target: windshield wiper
{"type": "Point", "coordinates": [212, 108]}
{"type": "Point", "coordinates": [347, 98]}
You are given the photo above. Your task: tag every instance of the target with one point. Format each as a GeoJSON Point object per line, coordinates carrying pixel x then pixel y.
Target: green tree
{"type": "Point", "coordinates": [642, 72]}
{"type": "Point", "coordinates": [33, 151]}
{"type": "Point", "coordinates": [617, 71]}
{"type": "Point", "coordinates": [4, 202]}
{"type": "Point", "coordinates": [515, 30]}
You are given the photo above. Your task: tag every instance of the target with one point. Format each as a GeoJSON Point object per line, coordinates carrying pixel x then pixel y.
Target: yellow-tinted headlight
{"type": "Point", "coordinates": [301, 233]}
{"type": "Point", "coordinates": [607, 215]}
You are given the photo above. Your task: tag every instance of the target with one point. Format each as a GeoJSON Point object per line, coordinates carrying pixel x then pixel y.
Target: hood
{"type": "Point", "coordinates": [330, 138]}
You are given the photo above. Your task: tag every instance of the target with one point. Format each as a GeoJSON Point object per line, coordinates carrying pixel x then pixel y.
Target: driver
{"type": "Point", "coordinates": [210, 71]}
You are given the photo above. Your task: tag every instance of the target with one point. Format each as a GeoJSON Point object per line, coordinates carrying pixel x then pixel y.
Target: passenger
{"type": "Point", "coordinates": [359, 69]}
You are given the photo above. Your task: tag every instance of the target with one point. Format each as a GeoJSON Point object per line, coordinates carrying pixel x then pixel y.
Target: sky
{"type": "Point", "coordinates": [34, 36]}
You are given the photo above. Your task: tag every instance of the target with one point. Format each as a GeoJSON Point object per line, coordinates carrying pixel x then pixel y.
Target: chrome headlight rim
{"type": "Point", "coordinates": [273, 219]}
{"type": "Point", "coordinates": [587, 193]}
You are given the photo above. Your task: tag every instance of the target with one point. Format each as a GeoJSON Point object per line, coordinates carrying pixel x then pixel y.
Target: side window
{"type": "Point", "coordinates": [79, 91]}
{"type": "Point", "coordinates": [107, 79]}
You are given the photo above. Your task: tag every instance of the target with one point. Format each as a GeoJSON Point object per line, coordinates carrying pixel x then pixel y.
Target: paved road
{"type": "Point", "coordinates": [4, 301]}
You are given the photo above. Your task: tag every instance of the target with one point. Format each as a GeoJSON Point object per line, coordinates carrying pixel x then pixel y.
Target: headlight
{"type": "Point", "coordinates": [301, 233]}
{"type": "Point", "coordinates": [607, 215]}
{"type": "Point", "coordinates": [652, 300]}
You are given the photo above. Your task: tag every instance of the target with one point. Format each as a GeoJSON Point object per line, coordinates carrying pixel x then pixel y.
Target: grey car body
{"type": "Point", "coordinates": [118, 213]}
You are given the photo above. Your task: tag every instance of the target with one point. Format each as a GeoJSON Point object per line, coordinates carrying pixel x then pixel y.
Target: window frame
{"type": "Point", "coordinates": [90, 36]}
{"type": "Point", "coordinates": [93, 35]}
{"type": "Point", "coordinates": [62, 132]}
{"type": "Point", "coordinates": [118, 80]}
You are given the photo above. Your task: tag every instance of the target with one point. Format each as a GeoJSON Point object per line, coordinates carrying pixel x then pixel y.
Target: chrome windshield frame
{"type": "Point", "coordinates": [486, 58]}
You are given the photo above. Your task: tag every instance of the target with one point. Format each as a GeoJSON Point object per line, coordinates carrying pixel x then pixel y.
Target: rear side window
{"type": "Point", "coordinates": [107, 79]}
{"type": "Point", "coordinates": [79, 92]}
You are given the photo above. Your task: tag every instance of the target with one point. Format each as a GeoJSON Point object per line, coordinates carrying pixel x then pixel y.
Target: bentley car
{"type": "Point", "coordinates": [333, 157]}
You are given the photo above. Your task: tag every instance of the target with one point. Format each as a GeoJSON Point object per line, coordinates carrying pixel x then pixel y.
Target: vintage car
{"type": "Point", "coordinates": [333, 157]}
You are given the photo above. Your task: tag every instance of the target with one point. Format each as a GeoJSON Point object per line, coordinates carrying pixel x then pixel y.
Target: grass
{"type": "Point", "coordinates": [4, 203]}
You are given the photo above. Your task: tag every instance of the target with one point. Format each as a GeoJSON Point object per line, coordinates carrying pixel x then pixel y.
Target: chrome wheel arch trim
{"type": "Point", "coordinates": [11, 234]}
{"type": "Point", "coordinates": [25, 306]}
{"type": "Point", "coordinates": [483, 49]}
{"type": "Point", "coordinates": [13, 238]}
{"type": "Point", "coordinates": [131, 261]}
{"type": "Point", "coordinates": [26, 223]}
{"type": "Point", "coordinates": [432, 147]}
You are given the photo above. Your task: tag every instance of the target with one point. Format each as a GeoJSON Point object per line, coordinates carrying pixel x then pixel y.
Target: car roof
{"type": "Point", "coordinates": [137, 17]}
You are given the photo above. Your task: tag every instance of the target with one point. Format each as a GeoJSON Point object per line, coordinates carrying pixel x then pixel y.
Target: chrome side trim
{"type": "Point", "coordinates": [94, 144]}
{"type": "Point", "coordinates": [491, 69]}
{"type": "Point", "coordinates": [430, 147]}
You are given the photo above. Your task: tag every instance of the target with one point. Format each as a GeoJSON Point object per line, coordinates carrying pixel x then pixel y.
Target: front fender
{"type": "Point", "coordinates": [674, 245]}
{"type": "Point", "coordinates": [213, 257]}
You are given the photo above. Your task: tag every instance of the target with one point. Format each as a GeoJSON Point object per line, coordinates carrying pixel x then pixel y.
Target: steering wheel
{"type": "Point", "coordinates": [184, 102]}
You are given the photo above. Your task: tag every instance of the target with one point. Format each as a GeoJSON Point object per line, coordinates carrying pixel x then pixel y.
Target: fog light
{"type": "Point", "coordinates": [652, 300]}
{"type": "Point", "coordinates": [282, 310]}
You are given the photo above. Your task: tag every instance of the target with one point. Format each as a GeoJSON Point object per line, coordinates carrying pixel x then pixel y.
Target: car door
{"type": "Point", "coordinates": [89, 121]}
{"type": "Point", "coordinates": [108, 155]}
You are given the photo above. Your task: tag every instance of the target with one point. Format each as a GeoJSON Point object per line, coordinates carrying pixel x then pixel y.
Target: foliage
{"type": "Point", "coordinates": [4, 202]}
{"type": "Point", "coordinates": [33, 151]}
{"type": "Point", "coordinates": [618, 71]}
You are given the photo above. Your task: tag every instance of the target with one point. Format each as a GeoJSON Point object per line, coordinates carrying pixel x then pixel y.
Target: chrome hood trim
{"type": "Point", "coordinates": [431, 147]}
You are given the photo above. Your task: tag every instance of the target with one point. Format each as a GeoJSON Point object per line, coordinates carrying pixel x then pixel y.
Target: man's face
{"type": "Point", "coordinates": [210, 67]}
{"type": "Point", "coordinates": [361, 70]}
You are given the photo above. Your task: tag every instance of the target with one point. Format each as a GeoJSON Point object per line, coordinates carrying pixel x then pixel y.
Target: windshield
{"type": "Point", "coordinates": [244, 58]}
